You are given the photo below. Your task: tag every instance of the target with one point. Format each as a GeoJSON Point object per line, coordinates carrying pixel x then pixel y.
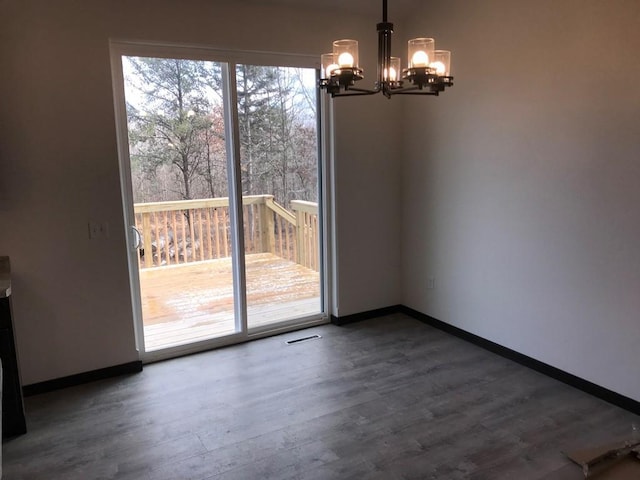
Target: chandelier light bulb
{"type": "Point", "coordinates": [392, 74]}
{"type": "Point", "coordinates": [329, 70]}
{"type": "Point", "coordinates": [438, 68]}
{"type": "Point", "coordinates": [345, 53]}
{"type": "Point", "coordinates": [328, 63]}
{"type": "Point", "coordinates": [420, 59]}
{"type": "Point", "coordinates": [420, 52]}
{"type": "Point", "coordinates": [345, 60]}
{"type": "Point", "coordinates": [441, 64]}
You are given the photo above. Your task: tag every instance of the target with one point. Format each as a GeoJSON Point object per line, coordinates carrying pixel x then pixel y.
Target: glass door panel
{"type": "Point", "coordinates": [179, 166]}
{"type": "Point", "coordinates": [278, 132]}
{"type": "Point", "coordinates": [218, 158]}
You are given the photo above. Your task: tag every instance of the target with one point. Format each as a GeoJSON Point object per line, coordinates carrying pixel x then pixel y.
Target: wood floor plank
{"type": "Point", "coordinates": [388, 398]}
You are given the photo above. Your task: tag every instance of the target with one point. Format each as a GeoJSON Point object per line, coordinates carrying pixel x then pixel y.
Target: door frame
{"type": "Point", "coordinates": [229, 59]}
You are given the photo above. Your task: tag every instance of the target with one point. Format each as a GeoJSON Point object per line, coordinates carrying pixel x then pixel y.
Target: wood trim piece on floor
{"type": "Point", "coordinates": [80, 378]}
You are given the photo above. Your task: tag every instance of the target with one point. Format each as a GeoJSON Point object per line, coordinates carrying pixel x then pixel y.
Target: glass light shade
{"type": "Point", "coordinates": [394, 70]}
{"type": "Point", "coordinates": [421, 52]}
{"type": "Point", "coordinates": [441, 64]}
{"type": "Point", "coordinates": [345, 53]}
{"type": "Point", "coordinates": [328, 64]}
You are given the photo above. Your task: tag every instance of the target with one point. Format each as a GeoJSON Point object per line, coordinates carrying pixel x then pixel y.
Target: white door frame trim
{"type": "Point", "coordinates": [229, 59]}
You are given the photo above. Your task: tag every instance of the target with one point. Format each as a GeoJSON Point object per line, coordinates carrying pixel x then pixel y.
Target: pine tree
{"type": "Point", "coordinates": [170, 126]}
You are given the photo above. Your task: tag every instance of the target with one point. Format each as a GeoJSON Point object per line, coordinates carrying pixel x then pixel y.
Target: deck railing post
{"type": "Point", "coordinates": [267, 226]}
{"type": "Point", "coordinates": [146, 239]}
{"type": "Point", "coordinates": [301, 254]}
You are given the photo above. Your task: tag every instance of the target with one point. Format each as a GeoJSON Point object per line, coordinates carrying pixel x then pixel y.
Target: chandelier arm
{"type": "Point", "coordinates": [353, 93]}
{"type": "Point", "coordinates": [405, 89]}
{"type": "Point", "coordinates": [415, 92]}
{"type": "Point", "coordinates": [362, 90]}
{"type": "Point", "coordinates": [356, 91]}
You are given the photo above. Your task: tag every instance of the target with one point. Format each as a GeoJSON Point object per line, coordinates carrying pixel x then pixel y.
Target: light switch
{"type": "Point", "coordinates": [98, 230]}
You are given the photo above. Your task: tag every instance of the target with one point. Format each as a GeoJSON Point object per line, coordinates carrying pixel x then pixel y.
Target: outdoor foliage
{"type": "Point", "coordinates": [177, 136]}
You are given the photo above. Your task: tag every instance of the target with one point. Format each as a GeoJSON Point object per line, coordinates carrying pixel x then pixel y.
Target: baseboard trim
{"type": "Point", "coordinates": [358, 317]}
{"type": "Point", "coordinates": [586, 386]}
{"type": "Point", "coordinates": [605, 394]}
{"type": "Point", "coordinates": [80, 378]}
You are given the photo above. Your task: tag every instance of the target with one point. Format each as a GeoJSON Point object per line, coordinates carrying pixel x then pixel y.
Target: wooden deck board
{"type": "Point", "coordinates": [192, 302]}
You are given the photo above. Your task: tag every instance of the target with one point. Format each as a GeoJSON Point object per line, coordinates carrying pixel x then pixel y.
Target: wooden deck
{"type": "Point", "coordinates": [193, 302]}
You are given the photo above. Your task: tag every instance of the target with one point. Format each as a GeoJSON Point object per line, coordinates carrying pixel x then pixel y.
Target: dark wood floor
{"type": "Point", "coordinates": [389, 398]}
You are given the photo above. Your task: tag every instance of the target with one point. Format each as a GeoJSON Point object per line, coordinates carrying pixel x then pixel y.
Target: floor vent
{"type": "Point", "coordinates": [303, 339]}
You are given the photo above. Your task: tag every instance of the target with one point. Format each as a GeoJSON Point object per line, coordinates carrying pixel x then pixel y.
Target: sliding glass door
{"type": "Point", "coordinates": [278, 131]}
{"type": "Point", "coordinates": [220, 173]}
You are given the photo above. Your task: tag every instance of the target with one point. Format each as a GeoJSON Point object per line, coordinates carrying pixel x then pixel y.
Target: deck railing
{"type": "Point", "coordinates": [185, 231]}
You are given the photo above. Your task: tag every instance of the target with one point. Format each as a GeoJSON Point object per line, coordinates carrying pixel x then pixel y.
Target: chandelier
{"type": "Point", "coordinates": [427, 73]}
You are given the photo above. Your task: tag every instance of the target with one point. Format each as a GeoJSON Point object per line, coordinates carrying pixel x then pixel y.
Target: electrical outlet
{"type": "Point", "coordinates": [431, 283]}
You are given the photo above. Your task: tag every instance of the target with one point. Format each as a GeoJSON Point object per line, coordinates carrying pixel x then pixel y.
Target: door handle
{"type": "Point", "coordinates": [138, 237]}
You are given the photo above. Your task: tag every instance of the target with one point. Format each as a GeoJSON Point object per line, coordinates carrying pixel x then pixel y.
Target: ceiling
{"type": "Point", "coordinates": [396, 8]}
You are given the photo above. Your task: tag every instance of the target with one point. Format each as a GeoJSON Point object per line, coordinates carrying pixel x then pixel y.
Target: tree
{"type": "Point", "coordinates": [275, 123]}
{"type": "Point", "coordinates": [176, 130]}
{"type": "Point", "coordinates": [174, 123]}
{"type": "Point", "coordinates": [254, 86]}
{"type": "Point", "coordinates": [214, 165]}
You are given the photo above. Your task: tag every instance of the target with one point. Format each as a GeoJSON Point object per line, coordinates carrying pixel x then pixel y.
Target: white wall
{"type": "Point", "coordinates": [368, 202]}
{"type": "Point", "coordinates": [522, 183]}
{"type": "Point", "coordinates": [59, 166]}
